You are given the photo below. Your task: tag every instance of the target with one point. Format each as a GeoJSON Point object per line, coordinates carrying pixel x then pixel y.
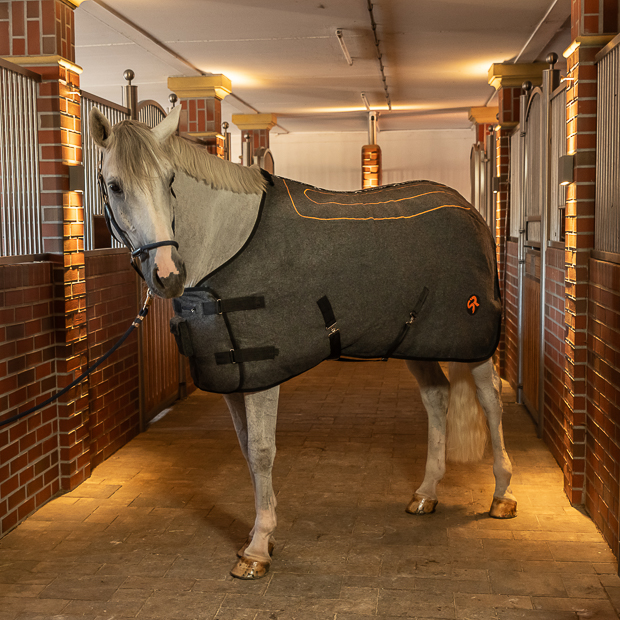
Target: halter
{"type": "Point", "coordinates": [141, 253]}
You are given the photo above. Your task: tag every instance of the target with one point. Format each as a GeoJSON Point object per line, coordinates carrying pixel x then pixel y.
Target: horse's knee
{"type": "Point", "coordinates": [261, 457]}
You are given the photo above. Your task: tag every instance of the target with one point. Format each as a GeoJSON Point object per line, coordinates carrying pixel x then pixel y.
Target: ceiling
{"type": "Point", "coordinates": [283, 56]}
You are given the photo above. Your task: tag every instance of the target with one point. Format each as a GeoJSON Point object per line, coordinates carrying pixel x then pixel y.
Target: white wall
{"type": "Point", "coordinates": [334, 160]}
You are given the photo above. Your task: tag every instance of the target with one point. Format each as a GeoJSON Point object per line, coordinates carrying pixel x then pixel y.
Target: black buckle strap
{"type": "Point", "coordinates": [405, 330]}
{"type": "Point", "coordinates": [235, 304]}
{"type": "Point", "coordinates": [333, 333]}
{"type": "Point", "coordinates": [240, 356]}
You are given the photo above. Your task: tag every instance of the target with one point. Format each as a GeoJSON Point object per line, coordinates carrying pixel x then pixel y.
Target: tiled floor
{"type": "Point", "coordinates": [153, 534]}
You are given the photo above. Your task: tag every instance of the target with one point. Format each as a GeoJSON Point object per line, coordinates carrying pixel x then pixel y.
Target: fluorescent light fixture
{"type": "Point", "coordinates": [365, 102]}
{"type": "Point", "coordinates": [345, 51]}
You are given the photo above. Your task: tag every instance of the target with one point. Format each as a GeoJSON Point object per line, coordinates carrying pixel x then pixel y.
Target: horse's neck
{"type": "Point", "coordinates": [211, 225]}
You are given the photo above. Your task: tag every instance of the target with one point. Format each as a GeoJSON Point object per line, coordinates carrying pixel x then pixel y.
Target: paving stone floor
{"type": "Point", "coordinates": [153, 533]}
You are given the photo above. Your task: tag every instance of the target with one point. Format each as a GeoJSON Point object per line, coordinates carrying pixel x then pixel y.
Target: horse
{"type": "Point", "coordinates": [269, 277]}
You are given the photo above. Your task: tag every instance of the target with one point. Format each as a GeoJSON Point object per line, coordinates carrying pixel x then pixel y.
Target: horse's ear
{"type": "Point", "coordinates": [169, 125]}
{"type": "Point", "coordinates": [100, 128]}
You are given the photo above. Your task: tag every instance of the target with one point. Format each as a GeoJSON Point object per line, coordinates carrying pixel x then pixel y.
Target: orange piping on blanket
{"type": "Point", "coordinates": [360, 219]}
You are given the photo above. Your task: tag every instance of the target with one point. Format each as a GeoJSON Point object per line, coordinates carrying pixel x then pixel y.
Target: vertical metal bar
{"type": "Point", "coordinates": [521, 245]}
{"type": "Point", "coordinates": [3, 160]}
{"type": "Point", "coordinates": [22, 214]}
{"type": "Point", "coordinates": [547, 120]}
{"type": "Point", "coordinates": [12, 155]}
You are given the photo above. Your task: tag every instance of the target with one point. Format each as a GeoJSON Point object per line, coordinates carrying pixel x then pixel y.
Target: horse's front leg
{"type": "Point", "coordinates": [255, 416]}
{"type": "Point", "coordinates": [435, 392]}
{"type": "Point", "coordinates": [488, 386]}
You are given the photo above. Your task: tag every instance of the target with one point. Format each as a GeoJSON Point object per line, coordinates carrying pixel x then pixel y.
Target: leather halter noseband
{"type": "Point", "coordinates": [119, 234]}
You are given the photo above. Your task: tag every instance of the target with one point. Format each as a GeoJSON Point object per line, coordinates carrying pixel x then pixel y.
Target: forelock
{"type": "Point", "coordinates": [136, 154]}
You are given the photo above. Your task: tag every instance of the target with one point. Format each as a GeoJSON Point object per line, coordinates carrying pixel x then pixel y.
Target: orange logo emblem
{"type": "Point", "coordinates": [472, 304]}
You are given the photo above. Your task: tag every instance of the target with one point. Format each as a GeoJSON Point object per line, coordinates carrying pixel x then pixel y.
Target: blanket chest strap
{"type": "Point", "coordinates": [239, 356]}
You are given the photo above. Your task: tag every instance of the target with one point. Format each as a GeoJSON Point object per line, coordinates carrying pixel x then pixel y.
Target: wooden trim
{"type": "Point", "coordinates": [608, 257]}
{"type": "Point", "coordinates": [558, 245]}
{"type": "Point", "coordinates": [615, 42]}
{"type": "Point", "coordinates": [105, 252]}
{"type": "Point", "coordinates": [102, 101]}
{"type": "Point", "coordinates": [558, 90]}
{"type": "Point", "coordinates": [20, 259]}
{"type": "Point", "coordinates": [17, 69]}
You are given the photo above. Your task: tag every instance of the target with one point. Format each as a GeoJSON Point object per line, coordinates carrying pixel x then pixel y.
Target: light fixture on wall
{"type": "Point", "coordinates": [566, 164]}
{"type": "Point", "coordinates": [365, 102]}
{"type": "Point", "coordinates": [343, 45]}
{"type": "Point", "coordinates": [76, 178]}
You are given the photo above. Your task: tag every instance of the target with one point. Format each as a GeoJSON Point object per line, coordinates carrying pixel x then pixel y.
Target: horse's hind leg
{"type": "Point", "coordinates": [488, 386]}
{"type": "Point", "coordinates": [254, 416]}
{"type": "Point", "coordinates": [435, 392]}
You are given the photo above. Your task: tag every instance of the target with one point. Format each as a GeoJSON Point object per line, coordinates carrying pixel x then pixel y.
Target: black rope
{"type": "Point", "coordinates": [136, 323]}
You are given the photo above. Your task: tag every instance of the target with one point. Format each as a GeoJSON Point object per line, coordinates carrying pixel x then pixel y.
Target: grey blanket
{"type": "Point", "coordinates": [407, 271]}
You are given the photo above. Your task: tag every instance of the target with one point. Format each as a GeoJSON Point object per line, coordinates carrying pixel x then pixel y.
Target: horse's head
{"type": "Point", "coordinates": [137, 178]}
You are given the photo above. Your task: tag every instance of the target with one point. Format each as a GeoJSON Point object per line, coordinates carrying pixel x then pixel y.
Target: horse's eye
{"type": "Point", "coordinates": [170, 186]}
{"type": "Point", "coordinates": [115, 188]}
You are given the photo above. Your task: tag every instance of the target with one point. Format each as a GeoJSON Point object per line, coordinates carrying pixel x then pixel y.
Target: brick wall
{"type": "Point", "coordinates": [502, 213]}
{"type": "Point", "coordinates": [511, 314]}
{"type": "Point", "coordinates": [32, 347]}
{"type": "Point", "coordinates": [111, 301]}
{"type": "Point", "coordinates": [36, 29]}
{"type": "Point", "coordinates": [565, 441]}
{"type": "Point", "coordinates": [29, 450]}
{"type": "Point", "coordinates": [603, 399]}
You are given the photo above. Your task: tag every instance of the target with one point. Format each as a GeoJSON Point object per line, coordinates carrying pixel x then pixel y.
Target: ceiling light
{"type": "Point", "coordinates": [345, 51]}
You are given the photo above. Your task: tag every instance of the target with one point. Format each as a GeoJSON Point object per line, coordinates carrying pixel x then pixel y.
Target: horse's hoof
{"type": "Point", "coordinates": [421, 505]}
{"type": "Point", "coordinates": [241, 552]}
{"type": "Point", "coordinates": [503, 508]}
{"type": "Point", "coordinates": [248, 569]}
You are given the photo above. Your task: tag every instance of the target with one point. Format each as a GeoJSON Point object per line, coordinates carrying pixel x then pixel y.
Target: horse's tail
{"type": "Point", "coordinates": [466, 432]}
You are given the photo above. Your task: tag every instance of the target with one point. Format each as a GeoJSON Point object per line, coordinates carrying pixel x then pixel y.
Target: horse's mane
{"type": "Point", "coordinates": [196, 162]}
{"type": "Point", "coordinates": [140, 156]}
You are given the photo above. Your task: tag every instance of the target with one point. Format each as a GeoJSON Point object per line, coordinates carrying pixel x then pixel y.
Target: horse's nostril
{"type": "Point", "coordinates": [158, 280]}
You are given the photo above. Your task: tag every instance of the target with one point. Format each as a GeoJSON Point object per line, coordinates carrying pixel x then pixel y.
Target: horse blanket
{"type": "Point", "coordinates": [405, 271]}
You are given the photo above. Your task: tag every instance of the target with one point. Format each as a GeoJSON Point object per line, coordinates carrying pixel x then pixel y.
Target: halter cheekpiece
{"type": "Point", "coordinates": [119, 234]}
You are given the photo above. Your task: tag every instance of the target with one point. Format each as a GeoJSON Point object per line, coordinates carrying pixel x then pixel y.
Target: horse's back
{"type": "Point", "coordinates": [377, 256]}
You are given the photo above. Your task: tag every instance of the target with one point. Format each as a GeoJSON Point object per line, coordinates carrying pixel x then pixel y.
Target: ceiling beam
{"type": "Point", "coordinates": [547, 28]}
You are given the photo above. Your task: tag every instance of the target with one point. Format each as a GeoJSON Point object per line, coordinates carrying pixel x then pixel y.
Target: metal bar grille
{"type": "Point", "coordinates": [534, 167]}
{"type": "Point", "coordinates": [558, 149]}
{"type": "Point", "coordinates": [93, 205]}
{"type": "Point", "coordinates": [20, 201]}
{"type": "Point", "coordinates": [516, 181]}
{"type": "Point", "coordinates": [607, 206]}
{"type": "Point", "coordinates": [150, 113]}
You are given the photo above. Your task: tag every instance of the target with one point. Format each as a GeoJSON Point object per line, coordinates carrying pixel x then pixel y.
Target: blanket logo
{"type": "Point", "coordinates": [473, 304]}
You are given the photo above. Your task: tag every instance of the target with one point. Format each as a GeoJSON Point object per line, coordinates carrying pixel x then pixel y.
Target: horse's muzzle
{"type": "Point", "coordinates": [165, 273]}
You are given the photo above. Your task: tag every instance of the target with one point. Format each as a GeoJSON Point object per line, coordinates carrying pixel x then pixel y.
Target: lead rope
{"type": "Point", "coordinates": [136, 323]}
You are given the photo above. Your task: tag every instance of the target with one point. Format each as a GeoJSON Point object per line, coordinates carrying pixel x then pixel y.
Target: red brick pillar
{"type": "Point", "coordinates": [201, 100]}
{"type": "Point", "coordinates": [255, 128]}
{"type": "Point", "coordinates": [591, 19]}
{"type": "Point", "coordinates": [40, 35]}
{"type": "Point", "coordinates": [484, 119]}
{"type": "Point", "coordinates": [507, 80]}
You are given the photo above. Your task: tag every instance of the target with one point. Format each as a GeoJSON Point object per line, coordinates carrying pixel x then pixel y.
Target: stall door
{"type": "Point", "coordinates": [533, 201]}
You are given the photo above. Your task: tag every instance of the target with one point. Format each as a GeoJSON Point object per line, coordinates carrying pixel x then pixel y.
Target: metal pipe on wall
{"type": "Point", "coordinates": [550, 80]}
{"type": "Point", "coordinates": [372, 127]}
{"type": "Point", "coordinates": [130, 95]}
{"type": "Point", "coordinates": [526, 89]}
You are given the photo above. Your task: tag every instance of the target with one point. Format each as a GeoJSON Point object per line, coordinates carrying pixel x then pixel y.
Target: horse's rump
{"type": "Point", "coordinates": [376, 256]}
